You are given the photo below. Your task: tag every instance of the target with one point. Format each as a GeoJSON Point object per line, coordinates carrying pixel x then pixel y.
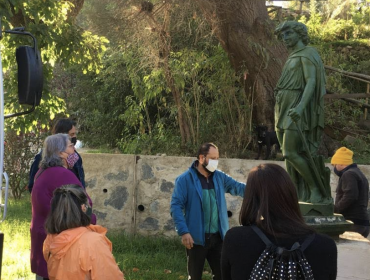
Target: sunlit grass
{"type": "Point", "coordinates": [17, 242]}
{"type": "Point", "coordinates": [141, 258]}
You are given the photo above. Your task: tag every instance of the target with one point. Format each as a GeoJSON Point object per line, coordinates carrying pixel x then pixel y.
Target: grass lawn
{"type": "Point", "coordinates": [140, 258]}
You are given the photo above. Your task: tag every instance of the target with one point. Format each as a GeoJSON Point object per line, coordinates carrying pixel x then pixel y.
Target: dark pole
{"type": "Point", "coordinates": [1, 234]}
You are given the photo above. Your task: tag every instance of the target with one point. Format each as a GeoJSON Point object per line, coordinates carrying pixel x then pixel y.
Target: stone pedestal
{"type": "Point", "coordinates": [322, 219]}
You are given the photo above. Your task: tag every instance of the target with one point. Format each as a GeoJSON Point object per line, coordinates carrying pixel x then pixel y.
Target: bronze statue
{"type": "Point", "coordinates": [299, 114]}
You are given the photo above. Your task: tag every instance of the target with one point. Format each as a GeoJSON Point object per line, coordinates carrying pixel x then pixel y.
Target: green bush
{"type": "Point", "coordinates": [19, 153]}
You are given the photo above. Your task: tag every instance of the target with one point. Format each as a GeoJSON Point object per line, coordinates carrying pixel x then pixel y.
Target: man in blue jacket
{"type": "Point", "coordinates": [198, 208]}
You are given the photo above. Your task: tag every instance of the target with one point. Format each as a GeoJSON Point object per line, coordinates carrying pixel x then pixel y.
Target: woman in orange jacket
{"type": "Point", "coordinates": [74, 249]}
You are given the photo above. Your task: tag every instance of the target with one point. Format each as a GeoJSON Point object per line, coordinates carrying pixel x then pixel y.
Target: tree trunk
{"type": "Point", "coordinates": [245, 31]}
{"type": "Point", "coordinates": [165, 50]}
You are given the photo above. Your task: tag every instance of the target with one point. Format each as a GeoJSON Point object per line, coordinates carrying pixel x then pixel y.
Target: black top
{"type": "Point", "coordinates": [352, 195]}
{"type": "Point", "coordinates": [242, 248]}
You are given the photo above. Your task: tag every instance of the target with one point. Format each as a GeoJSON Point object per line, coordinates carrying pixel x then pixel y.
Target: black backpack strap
{"type": "Point", "coordinates": [307, 241]}
{"type": "Point", "coordinates": [267, 241]}
{"type": "Point", "coordinates": [261, 235]}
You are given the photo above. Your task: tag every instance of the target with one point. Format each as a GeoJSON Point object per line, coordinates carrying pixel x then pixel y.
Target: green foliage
{"type": "Point", "coordinates": [200, 70]}
{"type": "Point", "coordinates": [143, 115]}
{"type": "Point", "coordinates": [59, 40]}
{"type": "Point", "coordinates": [97, 101]}
{"type": "Point", "coordinates": [213, 100]}
{"type": "Point", "coordinates": [19, 153]}
{"type": "Point", "coordinates": [340, 22]}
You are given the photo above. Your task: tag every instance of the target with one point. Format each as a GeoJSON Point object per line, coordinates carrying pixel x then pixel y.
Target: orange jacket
{"type": "Point", "coordinates": [82, 253]}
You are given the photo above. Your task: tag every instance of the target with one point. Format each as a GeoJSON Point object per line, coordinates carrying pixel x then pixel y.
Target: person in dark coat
{"type": "Point", "coordinates": [352, 192]}
{"type": "Point", "coordinates": [66, 126]}
{"type": "Point", "coordinates": [271, 203]}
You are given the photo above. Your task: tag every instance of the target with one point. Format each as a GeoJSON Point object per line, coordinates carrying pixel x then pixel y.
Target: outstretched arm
{"type": "Point", "coordinates": [232, 186]}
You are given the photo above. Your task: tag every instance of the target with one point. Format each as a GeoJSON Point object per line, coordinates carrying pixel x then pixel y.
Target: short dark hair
{"type": "Point", "coordinates": [271, 202]}
{"type": "Point", "coordinates": [298, 27]}
{"type": "Point", "coordinates": [204, 149]}
{"type": "Point", "coordinates": [63, 126]}
{"type": "Point", "coordinates": [65, 211]}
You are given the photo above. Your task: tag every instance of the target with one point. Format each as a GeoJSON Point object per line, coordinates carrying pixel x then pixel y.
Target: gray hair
{"type": "Point", "coordinates": [53, 145]}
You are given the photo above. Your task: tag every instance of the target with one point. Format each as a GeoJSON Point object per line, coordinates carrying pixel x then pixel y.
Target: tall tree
{"type": "Point", "coordinates": [245, 31]}
{"type": "Point", "coordinates": [59, 40]}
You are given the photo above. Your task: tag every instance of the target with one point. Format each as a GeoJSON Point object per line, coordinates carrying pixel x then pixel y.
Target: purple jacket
{"type": "Point", "coordinates": [42, 192]}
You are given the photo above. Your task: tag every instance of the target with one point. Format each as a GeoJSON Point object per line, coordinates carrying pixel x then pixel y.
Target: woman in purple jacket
{"type": "Point", "coordinates": [53, 174]}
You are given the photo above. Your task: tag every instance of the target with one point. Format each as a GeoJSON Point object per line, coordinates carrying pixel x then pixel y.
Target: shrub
{"type": "Point", "coordinates": [19, 152]}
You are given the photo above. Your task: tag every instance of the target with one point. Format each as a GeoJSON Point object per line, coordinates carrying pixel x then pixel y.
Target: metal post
{"type": "Point", "coordinates": [1, 150]}
{"type": "Point", "coordinates": [1, 250]}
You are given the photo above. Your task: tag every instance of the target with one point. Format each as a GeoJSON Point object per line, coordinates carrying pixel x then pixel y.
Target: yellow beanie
{"type": "Point", "coordinates": [342, 156]}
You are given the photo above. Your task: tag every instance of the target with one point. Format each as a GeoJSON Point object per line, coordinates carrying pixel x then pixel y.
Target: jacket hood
{"type": "Point", "coordinates": [59, 244]}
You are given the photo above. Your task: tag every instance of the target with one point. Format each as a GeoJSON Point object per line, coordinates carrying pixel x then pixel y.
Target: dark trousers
{"type": "Point", "coordinates": [211, 252]}
{"type": "Point", "coordinates": [363, 230]}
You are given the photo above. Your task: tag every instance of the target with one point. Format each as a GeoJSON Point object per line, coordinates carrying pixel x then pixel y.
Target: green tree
{"type": "Point", "coordinates": [59, 39]}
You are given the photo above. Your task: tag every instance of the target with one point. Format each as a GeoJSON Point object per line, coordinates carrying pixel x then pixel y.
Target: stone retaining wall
{"type": "Point", "coordinates": [134, 192]}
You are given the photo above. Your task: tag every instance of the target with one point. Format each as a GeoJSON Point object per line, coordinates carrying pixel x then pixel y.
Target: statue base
{"type": "Point", "coordinates": [323, 220]}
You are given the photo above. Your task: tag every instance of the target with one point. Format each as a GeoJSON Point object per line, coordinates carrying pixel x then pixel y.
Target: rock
{"type": "Point", "coordinates": [355, 142]}
{"type": "Point", "coordinates": [364, 124]}
{"type": "Point", "coordinates": [328, 146]}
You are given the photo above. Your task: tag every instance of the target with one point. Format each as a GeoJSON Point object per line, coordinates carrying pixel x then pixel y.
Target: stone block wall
{"type": "Point", "coordinates": [133, 193]}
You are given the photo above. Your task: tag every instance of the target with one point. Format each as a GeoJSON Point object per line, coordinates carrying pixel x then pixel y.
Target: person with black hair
{"type": "Point", "coordinates": [200, 194]}
{"type": "Point", "coordinates": [65, 126]}
{"type": "Point", "coordinates": [73, 243]}
{"type": "Point", "coordinates": [271, 203]}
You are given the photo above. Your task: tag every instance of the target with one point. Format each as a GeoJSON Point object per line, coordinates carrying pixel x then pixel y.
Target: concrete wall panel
{"type": "Point", "coordinates": [134, 192]}
{"type": "Point", "coordinates": [156, 178]}
{"type": "Point", "coordinates": [110, 184]}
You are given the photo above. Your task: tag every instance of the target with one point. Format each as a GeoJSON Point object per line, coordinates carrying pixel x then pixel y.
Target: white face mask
{"type": "Point", "coordinates": [212, 165]}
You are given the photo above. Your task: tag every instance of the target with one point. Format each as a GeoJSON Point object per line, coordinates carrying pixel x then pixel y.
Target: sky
{"type": "Point", "coordinates": [280, 3]}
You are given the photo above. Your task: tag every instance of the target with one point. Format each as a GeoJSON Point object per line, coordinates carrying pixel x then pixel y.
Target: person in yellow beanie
{"type": "Point", "coordinates": [352, 193]}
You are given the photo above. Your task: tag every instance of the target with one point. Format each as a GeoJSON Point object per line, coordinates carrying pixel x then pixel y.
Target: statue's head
{"type": "Point", "coordinates": [296, 26]}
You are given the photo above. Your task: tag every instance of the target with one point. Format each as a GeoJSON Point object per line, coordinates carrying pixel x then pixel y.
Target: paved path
{"type": "Point", "coordinates": [353, 257]}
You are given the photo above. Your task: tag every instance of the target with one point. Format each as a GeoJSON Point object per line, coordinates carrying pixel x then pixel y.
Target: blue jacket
{"type": "Point", "coordinates": [186, 203]}
{"type": "Point", "coordinates": [78, 170]}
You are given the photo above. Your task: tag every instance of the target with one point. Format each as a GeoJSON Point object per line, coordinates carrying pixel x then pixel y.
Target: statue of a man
{"type": "Point", "coordinates": [299, 111]}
